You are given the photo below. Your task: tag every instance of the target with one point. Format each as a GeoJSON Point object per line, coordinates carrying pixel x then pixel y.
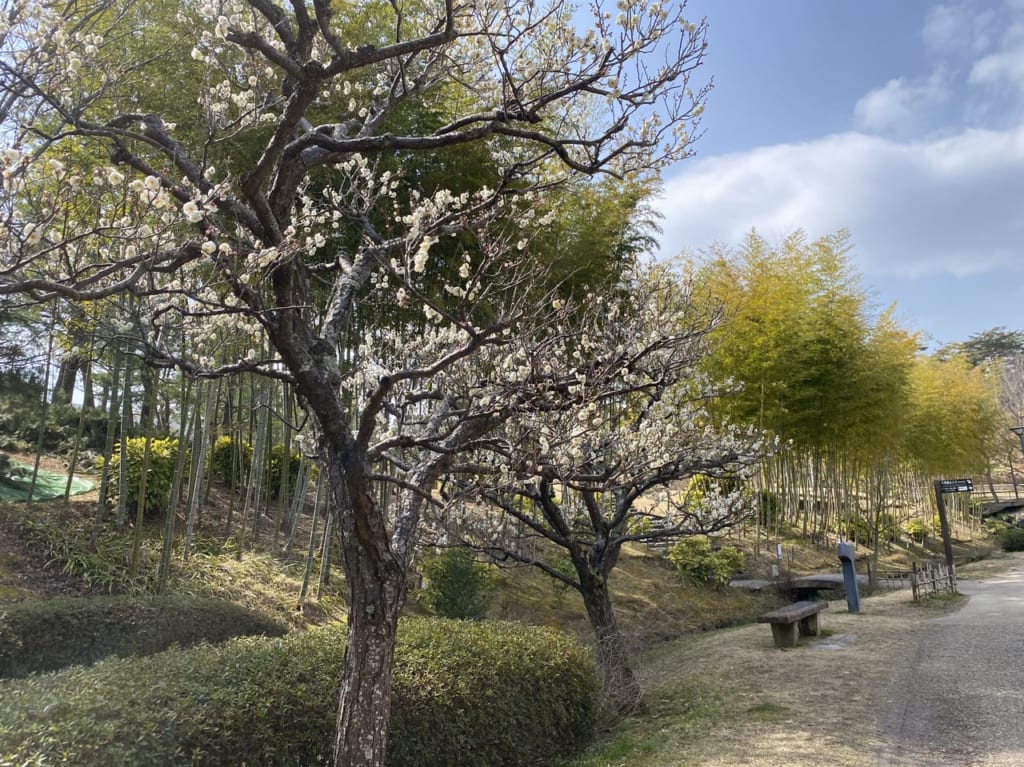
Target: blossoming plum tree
{"type": "Point", "coordinates": [258, 195]}
{"type": "Point", "coordinates": [595, 456]}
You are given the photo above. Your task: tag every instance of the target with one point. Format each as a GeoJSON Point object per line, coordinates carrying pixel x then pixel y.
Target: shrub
{"type": "Point", "coordinates": [223, 458]}
{"type": "Point", "coordinates": [918, 529]}
{"type": "Point", "coordinates": [695, 558]}
{"type": "Point", "coordinates": [490, 693]}
{"type": "Point", "coordinates": [42, 635]}
{"type": "Point", "coordinates": [1012, 539]}
{"type": "Point", "coordinates": [994, 526]}
{"type": "Point", "coordinates": [862, 530]}
{"type": "Point", "coordinates": [277, 464]}
{"type": "Point", "coordinates": [163, 453]}
{"type": "Point", "coordinates": [457, 585]}
{"type": "Point", "coordinates": [471, 694]}
{"type": "Point", "coordinates": [561, 563]}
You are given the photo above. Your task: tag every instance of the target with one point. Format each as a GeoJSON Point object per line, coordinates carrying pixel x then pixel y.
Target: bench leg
{"type": "Point", "coordinates": [784, 634]}
{"type": "Point", "coordinates": [809, 626]}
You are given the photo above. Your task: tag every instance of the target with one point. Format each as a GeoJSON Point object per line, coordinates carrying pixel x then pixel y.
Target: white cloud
{"type": "Point", "coordinates": [976, 58]}
{"type": "Point", "coordinates": [949, 205]}
{"type": "Point", "coordinates": [963, 27]}
{"type": "Point", "coordinates": [901, 106]}
{"type": "Point", "coordinates": [1005, 66]}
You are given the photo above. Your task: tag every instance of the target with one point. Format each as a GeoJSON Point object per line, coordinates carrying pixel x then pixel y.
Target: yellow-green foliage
{"type": "Point", "coordinates": [163, 453]}
{"type": "Point", "coordinates": [223, 459]}
{"type": "Point", "coordinates": [695, 558]}
{"type": "Point", "coordinates": [471, 694]}
{"type": "Point", "coordinates": [862, 530]}
{"type": "Point", "coordinates": [918, 529]}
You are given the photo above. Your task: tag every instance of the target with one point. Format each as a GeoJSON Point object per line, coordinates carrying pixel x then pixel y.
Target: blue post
{"type": "Point", "coordinates": [848, 555]}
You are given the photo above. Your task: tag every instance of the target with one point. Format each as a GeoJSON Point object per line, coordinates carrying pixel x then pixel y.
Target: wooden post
{"type": "Point", "coordinates": [947, 541]}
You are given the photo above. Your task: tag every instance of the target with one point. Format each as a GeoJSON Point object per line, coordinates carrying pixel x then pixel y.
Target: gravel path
{"type": "Point", "coordinates": [960, 701]}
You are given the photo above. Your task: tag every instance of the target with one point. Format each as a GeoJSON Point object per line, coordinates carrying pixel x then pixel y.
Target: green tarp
{"type": "Point", "coordinates": [48, 485]}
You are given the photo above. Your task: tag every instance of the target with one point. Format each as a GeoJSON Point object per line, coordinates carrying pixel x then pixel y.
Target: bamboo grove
{"type": "Point", "coordinates": [867, 418]}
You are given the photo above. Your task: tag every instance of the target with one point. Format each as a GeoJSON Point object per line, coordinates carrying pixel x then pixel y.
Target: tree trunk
{"type": "Point", "coordinates": [376, 590]}
{"type": "Point", "coordinates": [88, 393]}
{"type": "Point", "coordinates": [298, 502]}
{"type": "Point", "coordinates": [284, 486]}
{"type": "Point", "coordinates": [198, 474]}
{"type": "Point", "coordinates": [364, 710]}
{"type": "Point", "coordinates": [311, 549]}
{"type": "Point", "coordinates": [622, 693]}
{"type": "Point", "coordinates": [108, 445]}
{"type": "Point", "coordinates": [67, 376]}
{"type": "Point", "coordinates": [257, 472]}
{"type": "Point", "coordinates": [184, 430]}
{"type": "Point", "coordinates": [44, 412]}
{"type": "Point", "coordinates": [125, 432]}
{"type": "Point", "coordinates": [140, 509]}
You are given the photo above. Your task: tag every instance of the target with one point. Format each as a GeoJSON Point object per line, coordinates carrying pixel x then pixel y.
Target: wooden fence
{"type": "Point", "coordinates": [932, 578]}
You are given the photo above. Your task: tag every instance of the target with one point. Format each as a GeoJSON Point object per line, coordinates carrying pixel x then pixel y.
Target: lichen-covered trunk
{"type": "Point", "coordinates": [621, 691]}
{"type": "Point", "coordinates": [376, 589]}
{"type": "Point", "coordinates": [364, 708]}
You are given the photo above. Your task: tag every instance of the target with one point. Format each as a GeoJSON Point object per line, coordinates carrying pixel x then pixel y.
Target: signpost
{"type": "Point", "coordinates": [949, 486]}
{"type": "Point", "coordinates": [957, 485]}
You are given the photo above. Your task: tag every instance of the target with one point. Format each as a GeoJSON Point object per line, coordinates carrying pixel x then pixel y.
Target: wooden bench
{"type": "Point", "coordinates": [784, 621]}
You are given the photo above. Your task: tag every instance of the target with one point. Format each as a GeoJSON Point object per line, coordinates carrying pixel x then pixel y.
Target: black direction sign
{"type": "Point", "coordinates": [956, 485]}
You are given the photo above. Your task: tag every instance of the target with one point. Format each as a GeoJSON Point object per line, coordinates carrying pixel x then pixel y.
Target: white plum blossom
{"type": "Point", "coordinates": [192, 212]}
{"type": "Point", "coordinates": [419, 262]}
{"type": "Point", "coordinates": [33, 234]}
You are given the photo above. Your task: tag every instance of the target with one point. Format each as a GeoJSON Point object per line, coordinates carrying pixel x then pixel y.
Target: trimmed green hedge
{"type": "Point", "coordinates": [48, 634]}
{"type": "Point", "coordinates": [482, 694]}
{"type": "Point", "coordinates": [469, 694]}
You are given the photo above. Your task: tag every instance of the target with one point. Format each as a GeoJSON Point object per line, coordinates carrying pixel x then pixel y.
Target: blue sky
{"type": "Point", "coordinates": [900, 120]}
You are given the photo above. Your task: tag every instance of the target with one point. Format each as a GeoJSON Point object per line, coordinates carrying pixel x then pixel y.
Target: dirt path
{"type": "Point", "coordinates": [813, 705]}
{"type": "Point", "coordinates": [958, 702]}
{"type": "Point", "coordinates": [826, 702]}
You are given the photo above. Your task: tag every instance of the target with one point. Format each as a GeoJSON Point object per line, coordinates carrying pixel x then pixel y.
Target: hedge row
{"type": "Point", "coordinates": [469, 694]}
{"type": "Point", "coordinates": [43, 635]}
